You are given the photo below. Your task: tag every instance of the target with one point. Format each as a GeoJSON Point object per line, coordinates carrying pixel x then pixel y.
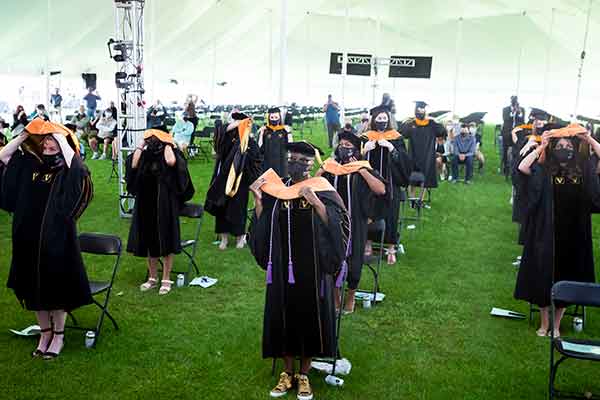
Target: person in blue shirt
{"type": "Point", "coordinates": [182, 133]}
{"type": "Point", "coordinates": [463, 150]}
{"type": "Point", "coordinates": [91, 103]}
{"type": "Point", "coordinates": [332, 118]}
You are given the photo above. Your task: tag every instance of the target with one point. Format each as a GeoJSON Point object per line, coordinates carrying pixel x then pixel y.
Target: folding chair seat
{"type": "Point", "coordinates": [104, 245]}
{"type": "Point", "coordinates": [564, 348]}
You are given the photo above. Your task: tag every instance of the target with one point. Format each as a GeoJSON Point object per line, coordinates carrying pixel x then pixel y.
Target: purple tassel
{"type": "Point", "coordinates": [322, 288]}
{"type": "Point", "coordinates": [291, 279]}
{"type": "Point", "coordinates": [269, 273]}
{"type": "Point", "coordinates": [342, 275]}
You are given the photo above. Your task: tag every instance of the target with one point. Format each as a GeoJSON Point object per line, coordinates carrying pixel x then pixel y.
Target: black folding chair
{"type": "Point", "coordinates": [201, 143]}
{"type": "Point", "coordinates": [375, 229]}
{"type": "Point", "coordinates": [106, 245]}
{"type": "Point", "coordinates": [189, 246]}
{"type": "Point", "coordinates": [416, 180]}
{"type": "Point", "coordinates": [582, 294]}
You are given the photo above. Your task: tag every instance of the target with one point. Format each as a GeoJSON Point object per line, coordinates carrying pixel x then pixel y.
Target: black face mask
{"type": "Point", "coordinates": [381, 125]}
{"type": "Point", "coordinates": [420, 115]}
{"type": "Point", "coordinates": [564, 155]}
{"type": "Point", "coordinates": [344, 154]}
{"type": "Point", "coordinates": [53, 161]}
{"type": "Point", "coordinates": [297, 170]}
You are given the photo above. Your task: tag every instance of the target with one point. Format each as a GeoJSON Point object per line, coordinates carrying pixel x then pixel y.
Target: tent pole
{"type": "Point", "coordinates": [548, 50]}
{"type": "Point", "coordinates": [283, 51]}
{"type": "Point", "coordinates": [213, 75]}
{"type": "Point", "coordinates": [375, 65]}
{"type": "Point", "coordinates": [582, 60]}
{"type": "Point", "coordinates": [457, 50]}
{"type": "Point", "coordinates": [307, 57]}
{"type": "Point", "coordinates": [271, 88]}
{"type": "Point", "coordinates": [521, 23]}
{"type": "Point", "coordinates": [47, 66]}
{"type": "Point", "coordinates": [345, 59]}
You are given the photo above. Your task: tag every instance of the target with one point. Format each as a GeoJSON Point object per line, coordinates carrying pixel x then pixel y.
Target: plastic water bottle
{"type": "Point", "coordinates": [577, 324]}
{"type": "Point", "coordinates": [90, 339]}
{"type": "Point", "coordinates": [180, 280]}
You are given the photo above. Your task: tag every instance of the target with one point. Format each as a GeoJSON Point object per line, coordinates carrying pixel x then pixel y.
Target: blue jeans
{"type": "Point", "coordinates": [91, 113]}
{"type": "Point", "coordinates": [468, 167]}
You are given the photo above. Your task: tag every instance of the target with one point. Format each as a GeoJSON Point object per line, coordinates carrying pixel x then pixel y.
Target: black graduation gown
{"type": "Point", "coordinates": [356, 195]}
{"type": "Point", "coordinates": [422, 148]}
{"type": "Point", "coordinates": [47, 270]}
{"type": "Point", "coordinates": [395, 170]}
{"type": "Point", "coordinates": [159, 197]}
{"type": "Point", "coordinates": [274, 151]}
{"type": "Point", "coordinates": [231, 212]}
{"type": "Point", "coordinates": [557, 233]}
{"type": "Point", "coordinates": [299, 318]}
{"type": "Point", "coordinates": [520, 192]}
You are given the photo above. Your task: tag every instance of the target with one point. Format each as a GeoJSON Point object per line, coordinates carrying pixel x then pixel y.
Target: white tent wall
{"type": "Point", "coordinates": [182, 36]}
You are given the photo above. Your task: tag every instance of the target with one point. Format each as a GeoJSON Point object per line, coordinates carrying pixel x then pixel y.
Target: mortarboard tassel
{"type": "Point", "coordinates": [342, 275]}
{"type": "Point", "coordinates": [269, 273]}
{"type": "Point", "coordinates": [291, 278]}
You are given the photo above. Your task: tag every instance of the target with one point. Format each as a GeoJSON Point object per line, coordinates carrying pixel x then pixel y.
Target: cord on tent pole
{"type": "Point", "coordinates": [548, 51]}
{"type": "Point", "coordinates": [307, 56]}
{"type": "Point", "coordinates": [582, 60]}
{"type": "Point", "coordinates": [270, 32]}
{"type": "Point", "coordinates": [47, 66]}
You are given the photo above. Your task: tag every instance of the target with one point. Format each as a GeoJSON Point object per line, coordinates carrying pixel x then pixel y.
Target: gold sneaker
{"type": "Point", "coordinates": [284, 385]}
{"type": "Point", "coordinates": [304, 390]}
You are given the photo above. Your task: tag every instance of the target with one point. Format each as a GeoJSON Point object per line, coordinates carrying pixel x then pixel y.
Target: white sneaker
{"type": "Point", "coordinates": [442, 178]}
{"type": "Point", "coordinates": [95, 156]}
{"type": "Point", "coordinates": [102, 157]}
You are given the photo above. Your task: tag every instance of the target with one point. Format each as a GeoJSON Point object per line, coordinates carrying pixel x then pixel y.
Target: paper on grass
{"type": "Point", "coordinates": [203, 281]}
{"type": "Point", "coordinates": [499, 312]}
{"type": "Point", "coordinates": [32, 330]}
{"type": "Point", "coordinates": [364, 296]}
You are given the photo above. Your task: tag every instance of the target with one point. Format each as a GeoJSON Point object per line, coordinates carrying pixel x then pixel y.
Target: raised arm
{"type": "Point", "coordinates": [12, 146]}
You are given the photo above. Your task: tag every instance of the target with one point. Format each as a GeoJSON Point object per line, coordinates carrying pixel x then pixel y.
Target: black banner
{"type": "Point", "coordinates": [410, 67]}
{"type": "Point", "coordinates": [358, 64]}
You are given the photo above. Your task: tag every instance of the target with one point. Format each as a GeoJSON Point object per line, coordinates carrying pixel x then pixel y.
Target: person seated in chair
{"type": "Point", "coordinates": [442, 151]}
{"type": "Point", "coordinates": [182, 133]}
{"type": "Point", "coordinates": [476, 131]}
{"type": "Point", "coordinates": [464, 148]}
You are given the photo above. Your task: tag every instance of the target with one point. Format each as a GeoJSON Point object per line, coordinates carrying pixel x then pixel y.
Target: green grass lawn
{"type": "Point", "coordinates": [432, 338]}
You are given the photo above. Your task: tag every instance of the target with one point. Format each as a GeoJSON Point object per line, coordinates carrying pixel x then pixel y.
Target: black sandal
{"type": "Point", "coordinates": [38, 353]}
{"type": "Point", "coordinates": [50, 355]}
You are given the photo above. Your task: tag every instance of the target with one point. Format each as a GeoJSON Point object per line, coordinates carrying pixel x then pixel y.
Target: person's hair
{"type": "Point", "coordinates": [41, 107]}
{"type": "Point", "coordinates": [573, 168]}
{"type": "Point", "coordinates": [374, 116]}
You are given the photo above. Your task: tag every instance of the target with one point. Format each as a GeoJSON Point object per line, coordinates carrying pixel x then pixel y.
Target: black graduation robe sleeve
{"type": "Point", "coordinates": [401, 164]}
{"type": "Point", "coordinates": [132, 175]}
{"type": "Point", "coordinates": [76, 191]}
{"type": "Point", "coordinates": [331, 237]}
{"type": "Point", "coordinates": [10, 176]}
{"type": "Point", "coordinates": [591, 182]}
{"type": "Point", "coordinates": [181, 181]}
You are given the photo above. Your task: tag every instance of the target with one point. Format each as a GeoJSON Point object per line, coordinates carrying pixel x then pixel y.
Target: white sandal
{"type": "Point", "coordinates": [150, 284]}
{"type": "Point", "coordinates": [165, 287]}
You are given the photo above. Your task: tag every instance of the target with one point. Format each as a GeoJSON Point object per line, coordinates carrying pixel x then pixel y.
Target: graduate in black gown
{"type": "Point", "coordinates": [157, 175]}
{"type": "Point", "coordinates": [46, 187]}
{"type": "Point", "coordinates": [385, 150]}
{"type": "Point", "coordinates": [421, 133]}
{"type": "Point", "coordinates": [562, 189]}
{"type": "Point", "coordinates": [357, 183]}
{"type": "Point", "coordinates": [272, 140]}
{"type": "Point", "coordinates": [299, 236]}
{"type": "Point", "coordinates": [237, 165]}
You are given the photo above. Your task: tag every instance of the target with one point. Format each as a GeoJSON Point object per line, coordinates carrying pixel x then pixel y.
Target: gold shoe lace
{"type": "Point", "coordinates": [304, 385]}
{"type": "Point", "coordinates": [284, 383]}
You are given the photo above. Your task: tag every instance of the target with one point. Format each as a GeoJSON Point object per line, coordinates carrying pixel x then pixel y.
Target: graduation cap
{"type": "Point", "coordinates": [437, 114]}
{"type": "Point", "coordinates": [588, 119]}
{"type": "Point", "coordinates": [539, 114]}
{"type": "Point", "coordinates": [473, 117]}
{"type": "Point", "coordinates": [378, 110]}
{"type": "Point", "coordinates": [161, 135]}
{"type": "Point", "coordinates": [305, 148]}
{"type": "Point", "coordinates": [239, 116]}
{"type": "Point", "coordinates": [420, 104]}
{"type": "Point", "coordinates": [274, 110]}
{"type": "Point", "coordinates": [351, 137]}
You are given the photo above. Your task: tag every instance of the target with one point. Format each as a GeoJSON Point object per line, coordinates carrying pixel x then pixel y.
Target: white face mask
{"type": "Point", "coordinates": [472, 130]}
{"type": "Point", "coordinates": [107, 115]}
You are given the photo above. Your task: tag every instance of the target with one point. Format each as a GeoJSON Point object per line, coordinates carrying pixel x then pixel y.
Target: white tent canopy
{"type": "Point", "coordinates": [502, 48]}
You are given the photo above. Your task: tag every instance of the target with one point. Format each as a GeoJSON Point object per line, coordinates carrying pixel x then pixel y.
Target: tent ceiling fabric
{"type": "Point", "coordinates": [180, 35]}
